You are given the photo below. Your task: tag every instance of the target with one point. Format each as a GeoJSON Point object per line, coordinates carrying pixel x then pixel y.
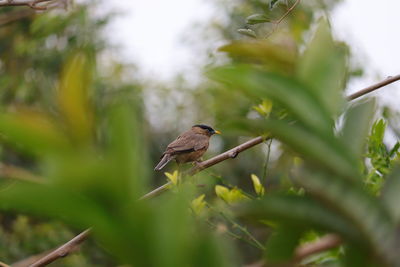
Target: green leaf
{"type": "Point", "coordinates": [230, 195]}
{"type": "Point", "coordinates": [257, 18]}
{"type": "Point", "coordinates": [172, 177]}
{"type": "Point", "coordinates": [265, 108]}
{"type": "Point", "coordinates": [198, 204]}
{"type": "Point", "coordinates": [33, 132]}
{"type": "Point", "coordinates": [276, 57]}
{"type": "Point", "coordinates": [281, 245]}
{"type": "Point", "coordinates": [73, 96]}
{"type": "Point", "coordinates": [257, 185]}
{"type": "Point", "coordinates": [390, 193]}
{"type": "Point", "coordinates": [54, 202]}
{"type": "Point", "coordinates": [354, 204]}
{"type": "Point", "coordinates": [323, 68]}
{"type": "Point", "coordinates": [247, 32]}
{"type": "Point", "coordinates": [357, 122]}
{"type": "Point", "coordinates": [126, 148]}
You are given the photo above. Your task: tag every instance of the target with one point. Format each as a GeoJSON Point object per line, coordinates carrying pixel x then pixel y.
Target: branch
{"type": "Point", "coordinates": [369, 89]}
{"type": "Point", "coordinates": [17, 173]}
{"type": "Point", "coordinates": [287, 13]}
{"type": "Point", "coordinates": [12, 16]}
{"type": "Point", "coordinates": [232, 153]}
{"type": "Point", "coordinates": [326, 242]}
{"type": "Point", "coordinates": [34, 4]}
{"type": "Point", "coordinates": [62, 251]}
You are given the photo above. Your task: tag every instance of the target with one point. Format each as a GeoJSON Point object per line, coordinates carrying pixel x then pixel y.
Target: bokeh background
{"type": "Point", "coordinates": [148, 57]}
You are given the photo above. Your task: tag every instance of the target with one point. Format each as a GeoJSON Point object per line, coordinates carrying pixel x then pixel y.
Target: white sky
{"type": "Point", "coordinates": [373, 32]}
{"type": "Point", "coordinates": [150, 34]}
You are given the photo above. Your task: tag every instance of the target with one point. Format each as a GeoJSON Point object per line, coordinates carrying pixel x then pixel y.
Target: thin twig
{"type": "Point", "coordinates": [34, 4]}
{"type": "Point", "coordinates": [287, 13]}
{"type": "Point", "coordinates": [230, 233]}
{"type": "Point", "coordinates": [243, 229]}
{"type": "Point", "coordinates": [369, 89]}
{"type": "Point", "coordinates": [62, 251]}
{"type": "Point", "coordinates": [277, 22]}
{"type": "Point", "coordinates": [266, 163]}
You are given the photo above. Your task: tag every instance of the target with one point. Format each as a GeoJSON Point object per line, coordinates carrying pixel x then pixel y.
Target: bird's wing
{"type": "Point", "coordinates": [188, 142]}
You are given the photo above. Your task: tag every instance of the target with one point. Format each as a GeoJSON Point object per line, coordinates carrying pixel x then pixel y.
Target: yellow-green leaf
{"type": "Point", "coordinates": [198, 204]}
{"type": "Point", "coordinates": [230, 196]}
{"type": "Point", "coordinates": [222, 192]}
{"type": "Point", "coordinates": [257, 185]}
{"type": "Point", "coordinates": [236, 195]}
{"type": "Point", "coordinates": [73, 96]}
{"type": "Point", "coordinates": [173, 178]}
{"type": "Point", "coordinates": [264, 108]}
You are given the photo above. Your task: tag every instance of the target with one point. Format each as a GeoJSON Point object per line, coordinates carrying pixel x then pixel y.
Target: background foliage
{"type": "Point", "coordinates": [77, 143]}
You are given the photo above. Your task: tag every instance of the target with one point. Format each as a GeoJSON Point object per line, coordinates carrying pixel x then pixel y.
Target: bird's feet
{"type": "Point", "coordinates": [197, 163]}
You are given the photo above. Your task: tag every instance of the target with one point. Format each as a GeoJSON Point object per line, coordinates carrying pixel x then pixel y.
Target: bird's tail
{"type": "Point", "coordinates": [164, 161]}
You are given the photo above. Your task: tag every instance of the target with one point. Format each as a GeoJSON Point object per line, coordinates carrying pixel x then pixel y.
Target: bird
{"type": "Point", "coordinates": [188, 147]}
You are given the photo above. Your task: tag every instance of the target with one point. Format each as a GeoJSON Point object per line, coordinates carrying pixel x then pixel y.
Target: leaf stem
{"type": "Point", "coordinates": [266, 163]}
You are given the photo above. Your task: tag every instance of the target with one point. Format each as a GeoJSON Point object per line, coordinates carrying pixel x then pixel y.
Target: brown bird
{"type": "Point", "coordinates": [188, 147]}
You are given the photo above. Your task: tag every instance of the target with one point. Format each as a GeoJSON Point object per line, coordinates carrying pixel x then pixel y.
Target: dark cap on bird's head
{"type": "Point", "coordinates": [210, 131]}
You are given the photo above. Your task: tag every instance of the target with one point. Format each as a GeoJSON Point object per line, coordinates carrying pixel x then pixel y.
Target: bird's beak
{"type": "Point", "coordinates": [217, 132]}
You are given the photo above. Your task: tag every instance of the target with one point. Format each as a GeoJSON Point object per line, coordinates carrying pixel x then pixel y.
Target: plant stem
{"type": "Point", "coordinates": [243, 229]}
{"type": "Point", "coordinates": [266, 163]}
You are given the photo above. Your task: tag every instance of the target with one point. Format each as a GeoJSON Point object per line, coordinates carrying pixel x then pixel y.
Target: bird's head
{"type": "Point", "coordinates": [204, 129]}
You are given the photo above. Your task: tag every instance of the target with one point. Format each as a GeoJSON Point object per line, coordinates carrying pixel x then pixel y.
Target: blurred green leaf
{"type": "Point", "coordinates": [126, 151]}
{"type": "Point", "coordinates": [55, 202]}
{"type": "Point", "coordinates": [284, 90]}
{"type": "Point", "coordinates": [32, 131]}
{"type": "Point", "coordinates": [298, 212]}
{"type": "Point", "coordinates": [390, 193]}
{"type": "Point", "coordinates": [323, 69]}
{"type": "Point", "coordinates": [258, 187]}
{"type": "Point", "coordinates": [73, 96]}
{"type": "Point", "coordinates": [281, 245]}
{"type": "Point", "coordinates": [198, 204]}
{"type": "Point", "coordinates": [279, 57]}
{"type": "Point", "coordinates": [330, 154]}
{"type": "Point", "coordinates": [265, 108]}
{"type": "Point", "coordinates": [355, 129]}
{"type": "Point", "coordinates": [364, 211]}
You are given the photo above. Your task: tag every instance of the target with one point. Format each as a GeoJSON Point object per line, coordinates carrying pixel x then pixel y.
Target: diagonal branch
{"type": "Point", "coordinates": [62, 251]}
{"type": "Point", "coordinates": [34, 4]}
{"type": "Point", "coordinates": [369, 89]}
